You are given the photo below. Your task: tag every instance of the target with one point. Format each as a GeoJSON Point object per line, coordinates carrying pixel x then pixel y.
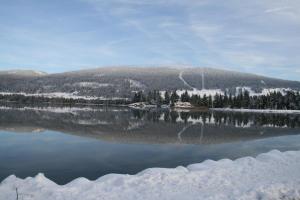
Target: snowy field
{"type": "Point", "coordinates": [72, 110]}
{"type": "Point", "coordinates": [256, 110]}
{"type": "Point", "coordinates": [65, 95]}
{"type": "Point", "coordinates": [273, 175]}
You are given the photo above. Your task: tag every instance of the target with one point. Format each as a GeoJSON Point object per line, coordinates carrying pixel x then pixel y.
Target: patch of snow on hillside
{"type": "Point", "coordinates": [283, 91]}
{"type": "Point", "coordinates": [52, 95]}
{"type": "Point", "coordinates": [136, 84]}
{"type": "Point", "coordinates": [265, 91]}
{"type": "Point", "coordinates": [207, 92]}
{"type": "Point", "coordinates": [93, 85]}
{"type": "Point", "coordinates": [213, 92]}
{"type": "Point", "coordinates": [40, 73]}
{"type": "Point", "coordinates": [243, 89]}
{"type": "Point", "coordinates": [99, 75]}
{"type": "Point", "coordinates": [273, 175]}
{"type": "Point", "coordinates": [63, 95]}
{"type": "Point", "coordinates": [24, 72]}
{"type": "Point", "coordinates": [185, 82]}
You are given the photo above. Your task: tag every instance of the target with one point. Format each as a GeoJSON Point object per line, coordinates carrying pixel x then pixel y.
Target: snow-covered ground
{"type": "Point", "coordinates": [73, 110]}
{"type": "Point", "coordinates": [65, 95]}
{"type": "Point", "coordinates": [93, 85]}
{"type": "Point", "coordinates": [195, 91]}
{"type": "Point", "coordinates": [257, 110]}
{"type": "Point", "coordinates": [274, 175]}
{"type": "Point", "coordinates": [265, 91]}
{"type": "Point", "coordinates": [213, 92]}
{"type": "Point", "coordinates": [201, 93]}
{"type": "Point", "coordinates": [136, 84]}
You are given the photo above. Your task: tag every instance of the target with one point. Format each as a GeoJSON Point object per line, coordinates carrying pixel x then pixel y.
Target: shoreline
{"type": "Point", "coordinates": [242, 110]}
{"type": "Point", "coordinates": [10, 104]}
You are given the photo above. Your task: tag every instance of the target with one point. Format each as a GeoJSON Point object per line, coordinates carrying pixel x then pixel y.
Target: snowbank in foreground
{"type": "Point", "coordinates": [273, 175]}
{"type": "Point", "coordinates": [257, 110]}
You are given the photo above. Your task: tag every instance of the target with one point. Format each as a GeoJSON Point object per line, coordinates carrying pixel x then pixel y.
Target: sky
{"type": "Point", "coordinates": [257, 36]}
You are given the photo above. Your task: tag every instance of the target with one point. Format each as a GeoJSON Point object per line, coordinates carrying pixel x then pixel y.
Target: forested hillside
{"type": "Point", "coordinates": [123, 81]}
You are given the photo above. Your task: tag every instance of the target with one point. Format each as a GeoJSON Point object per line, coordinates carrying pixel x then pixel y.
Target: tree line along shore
{"type": "Point", "coordinates": [273, 100]}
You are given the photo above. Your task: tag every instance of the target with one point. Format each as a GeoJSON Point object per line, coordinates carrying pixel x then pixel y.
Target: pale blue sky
{"type": "Point", "coordinates": [258, 36]}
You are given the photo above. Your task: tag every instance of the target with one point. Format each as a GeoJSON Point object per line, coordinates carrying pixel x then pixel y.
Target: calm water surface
{"type": "Point", "coordinates": [66, 143]}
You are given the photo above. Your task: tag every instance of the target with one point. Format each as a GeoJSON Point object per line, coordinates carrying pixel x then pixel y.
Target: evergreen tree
{"type": "Point", "coordinates": [167, 98]}
{"type": "Point", "coordinates": [205, 101]}
{"type": "Point", "coordinates": [174, 97]}
{"type": "Point", "coordinates": [210, 102]}
{"type": "Point", "coordinates": [245, 98]}
{"type": "Point", "coordinates": [185, 97]}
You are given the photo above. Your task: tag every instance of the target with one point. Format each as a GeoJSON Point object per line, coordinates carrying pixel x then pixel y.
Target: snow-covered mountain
{"type": "Point", "coordinates": [122, 81]}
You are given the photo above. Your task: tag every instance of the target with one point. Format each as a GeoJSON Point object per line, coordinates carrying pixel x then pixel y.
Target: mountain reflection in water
{"type": "Point", "coordinates": [124, 125]}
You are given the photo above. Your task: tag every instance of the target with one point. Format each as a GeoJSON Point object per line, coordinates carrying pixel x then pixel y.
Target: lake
{"type": "Point", "coordinates": [65, 143]}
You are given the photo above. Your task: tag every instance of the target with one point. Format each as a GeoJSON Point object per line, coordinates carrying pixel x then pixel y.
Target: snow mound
{"type": "Point", "coordinates": [273, 175]}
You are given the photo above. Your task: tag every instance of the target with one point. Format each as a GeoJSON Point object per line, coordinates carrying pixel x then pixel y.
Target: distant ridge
{"type": "Point", "coordinates": [20, 72]}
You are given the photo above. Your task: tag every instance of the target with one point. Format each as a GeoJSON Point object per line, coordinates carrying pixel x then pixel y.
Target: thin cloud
{"type": "Point", "coordinates": [247, 38]}
{"type": "Point", "coordinates": [207, 32]}
{"type": "Point", "coordinates": [275, 10]}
